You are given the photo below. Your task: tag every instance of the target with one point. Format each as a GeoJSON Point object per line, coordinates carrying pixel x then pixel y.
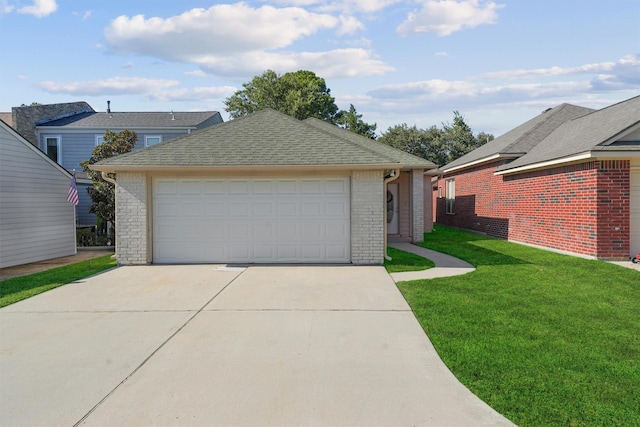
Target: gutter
{"type": "Point", "coordinates": [395, 174]}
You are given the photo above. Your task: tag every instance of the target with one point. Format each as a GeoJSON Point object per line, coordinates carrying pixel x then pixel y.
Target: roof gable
{"type": "Point", "coordinates": [264, 138]}
{"type": "Point", "coordinates": [523, 138]}
{"type": "Point", "coordinates": [36, 151]}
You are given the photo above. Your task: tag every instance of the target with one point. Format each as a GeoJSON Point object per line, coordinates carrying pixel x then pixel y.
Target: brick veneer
{"type": "Point", "coordinates": [417, 187]}
{"type": "Point", "coordinates": [132, 240]}
{"type": "Point", "coordinates": [582, 208]}
{"type": "Point", "coordinates": [367, 228]}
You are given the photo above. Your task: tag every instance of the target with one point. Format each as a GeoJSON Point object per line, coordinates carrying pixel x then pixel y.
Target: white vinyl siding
{"type": "Point", "coordinates": [36, 221]}
{"type": "Point", "coordinates": [251, 220]}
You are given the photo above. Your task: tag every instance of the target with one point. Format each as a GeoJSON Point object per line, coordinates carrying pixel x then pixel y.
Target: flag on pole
{"type": "Point", "coordinates": [72, 195]}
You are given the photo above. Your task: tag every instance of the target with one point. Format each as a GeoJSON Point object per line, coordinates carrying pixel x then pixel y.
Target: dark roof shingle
{"type": "Point", "coordinates": [265, 138]}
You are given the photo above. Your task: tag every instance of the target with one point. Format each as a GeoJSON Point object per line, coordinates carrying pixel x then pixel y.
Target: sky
{"type": "Point", "coordinates": [498, 63]}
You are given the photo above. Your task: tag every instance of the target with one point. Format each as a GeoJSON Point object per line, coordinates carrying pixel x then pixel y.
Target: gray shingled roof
{"type": "Point", "coordinates": [590, 132]}
{"type": "Point", "coordinates": [133, 120]}
{"type": "Point", "coordinates": [265, 138]}
{"type": "Point", "coordinates": [408, 160]}
{"type": "Point", "coordinates": [521, 139]}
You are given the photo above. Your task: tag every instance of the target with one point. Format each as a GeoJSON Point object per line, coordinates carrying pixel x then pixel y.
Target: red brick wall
{"type": "Point", "coordinates": [581, 208]}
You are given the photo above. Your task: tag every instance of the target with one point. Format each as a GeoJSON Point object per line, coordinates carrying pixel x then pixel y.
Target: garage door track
{"type": "Point", "coordinates": [205, 345]}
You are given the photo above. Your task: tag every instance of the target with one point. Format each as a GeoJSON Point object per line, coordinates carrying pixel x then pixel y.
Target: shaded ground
{"type": "Point", "coordinates": [36, 267]}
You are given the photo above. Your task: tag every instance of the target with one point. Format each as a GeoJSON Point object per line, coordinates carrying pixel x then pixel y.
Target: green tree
{"type": "Point", "coordinates": [441, 146]}
{"type": "Point", "coordinates": [103, 193]}
{"type": "Point", "coordinates": [299, 94]}
{"type": "Point", "coordinates": [425, 143]}
{"type": "Point", "coordinates": [353, 122]}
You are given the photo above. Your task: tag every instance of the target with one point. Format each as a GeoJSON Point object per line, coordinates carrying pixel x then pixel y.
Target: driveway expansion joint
{"type": "Point", "coordinates": [154, 352]}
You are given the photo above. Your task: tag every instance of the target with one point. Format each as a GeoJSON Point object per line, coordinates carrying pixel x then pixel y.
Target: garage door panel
{"type": "Point", "coordinates": [251, 220]}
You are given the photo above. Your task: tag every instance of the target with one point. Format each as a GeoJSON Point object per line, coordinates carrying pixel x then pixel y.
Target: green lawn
{"type": "Point", "coordinates": [545, 339]}
{"type": "Point", "coordinates": [405, 261]}
{"type": "Point", "coordinates": [19, 288]}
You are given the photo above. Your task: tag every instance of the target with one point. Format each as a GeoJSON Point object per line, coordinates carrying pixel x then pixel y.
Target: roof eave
{"type": "Point", "coordinates": [247, 168]}
{"type": "Point", "coordinates": [576, 158]}
{"type": "Point", "coordinates": [487, 159]}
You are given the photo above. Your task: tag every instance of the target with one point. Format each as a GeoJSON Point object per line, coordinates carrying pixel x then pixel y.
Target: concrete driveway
{"type": "Point", "coordinates": [204, 345]}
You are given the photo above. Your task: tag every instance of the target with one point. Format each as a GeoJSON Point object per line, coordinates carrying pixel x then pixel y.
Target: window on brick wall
{"type": "Point", "coordinates": [450, 202]}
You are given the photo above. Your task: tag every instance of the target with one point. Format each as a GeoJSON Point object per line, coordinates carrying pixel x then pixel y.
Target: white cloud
{"type": "Point", "coordinates": [225, 29]}
{"type": "Point", "coordinates": [331, 64]}
{"type": "Point", "coordinates": [5, 7]}
{"type": "Point", "coordinates": [40, 8]}
{"type": "Point", "coordinates": [550, 86]}
{"type": "Point", "coordinates": [109, 86]}
{"type": "Point", "coordinates": [196, 73]}
{"type": "Point", "coordinates": [238, 40]}
{"type": "Point", "coordinates": [448, 16]}
{"type": "Point", "coordinates": [443, 54]}
{"type": "Point", "coordinates": [204, 93]}
{"type": "Point", "coordinates": [157, 90]}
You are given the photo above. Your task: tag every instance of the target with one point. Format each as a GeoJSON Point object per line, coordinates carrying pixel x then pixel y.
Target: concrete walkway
{"type": "Point", "coordinates": [446, 265]}
{"type": "Point", "coordinates": [203, 345]}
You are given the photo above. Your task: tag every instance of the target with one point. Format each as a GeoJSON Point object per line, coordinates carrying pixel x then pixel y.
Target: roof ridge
{"type": "Point", "coordinates": [553, 112]}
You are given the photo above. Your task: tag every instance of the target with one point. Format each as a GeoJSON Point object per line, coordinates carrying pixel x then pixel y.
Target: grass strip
{"type": "Point", "coordinates": [405, 261]}
{"type": "Point", "coordinates": [543, 338]}
{"type": "Point", "coordinates": [22, 287]}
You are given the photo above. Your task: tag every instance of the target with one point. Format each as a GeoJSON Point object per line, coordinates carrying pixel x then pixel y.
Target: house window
{"type": "Point", "coordinates": [450, 202]}
{"type": "Point", "coordinates": [152, 140]}
{"type": "Point", "coordinates": [99, 139]}
{"type": "Point", "coordinates": [52, 148]}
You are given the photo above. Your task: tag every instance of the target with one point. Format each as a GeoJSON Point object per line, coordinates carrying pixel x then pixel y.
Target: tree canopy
{"type": "Point", "coordinates": [299, 94]}
{"type": "Point", "coordinates": [441, 146]}
{"type": "Point", "coordinates": [103, 193]}
{"type": "Point", "coordinates": [352, 121]}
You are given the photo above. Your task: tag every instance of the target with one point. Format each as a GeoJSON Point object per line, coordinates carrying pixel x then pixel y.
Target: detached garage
{"type": "Point", "coordinates": [266, 188]}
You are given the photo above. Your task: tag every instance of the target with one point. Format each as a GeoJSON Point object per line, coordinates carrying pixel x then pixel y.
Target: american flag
{"type": "Point", "coordinates": [72, 196]}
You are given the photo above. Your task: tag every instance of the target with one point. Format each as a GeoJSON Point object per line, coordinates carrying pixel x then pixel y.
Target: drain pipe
{"type": "Point", "coordinates": [108, 179]}
{"type": "Point", "coordinates": [395, 174]}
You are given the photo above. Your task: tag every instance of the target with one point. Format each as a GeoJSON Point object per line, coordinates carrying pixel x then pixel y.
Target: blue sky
{"type": "Point", "coordinates": [499, 63]}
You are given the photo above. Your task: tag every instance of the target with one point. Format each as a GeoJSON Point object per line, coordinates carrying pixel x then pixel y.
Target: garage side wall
{"type": "Point", "coordinates": [367, 228]}
{"type": "Point", "coordinates": [132, 240]}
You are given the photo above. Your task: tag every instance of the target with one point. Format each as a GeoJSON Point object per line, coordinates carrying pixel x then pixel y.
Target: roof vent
{"type": "Point", "coordinates": [108, 106]}
{"type": "Point", "coordinates": [547, 110]}
{"type": "Point", "coordinates": [173, 116]}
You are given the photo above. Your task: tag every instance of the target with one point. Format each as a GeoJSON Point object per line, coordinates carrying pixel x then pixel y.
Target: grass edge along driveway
{"type": "Point", "coordinates": [543, 338]}
{"type": "Point", "coordinates": [22, 287]}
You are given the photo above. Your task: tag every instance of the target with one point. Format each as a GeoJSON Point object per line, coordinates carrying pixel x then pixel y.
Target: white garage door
{"type": "Point", "coordinates": [635, 208]}
{"type": "Point", "coordinates": [305, 220]}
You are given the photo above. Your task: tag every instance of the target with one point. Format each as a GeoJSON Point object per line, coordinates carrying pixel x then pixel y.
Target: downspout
{"type": "Point", "coordinates": [395, 174]}
{"type": "Point", "coordinates": [106, 178]}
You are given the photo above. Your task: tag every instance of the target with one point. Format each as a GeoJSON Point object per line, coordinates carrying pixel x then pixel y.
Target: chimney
{"type": "Point", "coordinates": [108, 106]}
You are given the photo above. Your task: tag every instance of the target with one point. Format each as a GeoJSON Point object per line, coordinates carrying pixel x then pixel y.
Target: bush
{"type": "Point", "coordinates": [86, 237]}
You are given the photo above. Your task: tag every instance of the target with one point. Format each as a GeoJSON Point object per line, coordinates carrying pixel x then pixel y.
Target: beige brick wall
{"type": "Point", "coordinates": [367, 228]}
{"type": "Point", "coordinates": [132, 239]}
{"type": "Point", "coordinates": [417, 188]}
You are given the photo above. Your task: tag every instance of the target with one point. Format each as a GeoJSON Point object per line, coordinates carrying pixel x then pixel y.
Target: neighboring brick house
{"type": "Point", "coordinates": [69, 132]}
{"type": "Point", "coordinates": [265, 188]}
{"type": "Point", "coordinates": [569, 179]}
